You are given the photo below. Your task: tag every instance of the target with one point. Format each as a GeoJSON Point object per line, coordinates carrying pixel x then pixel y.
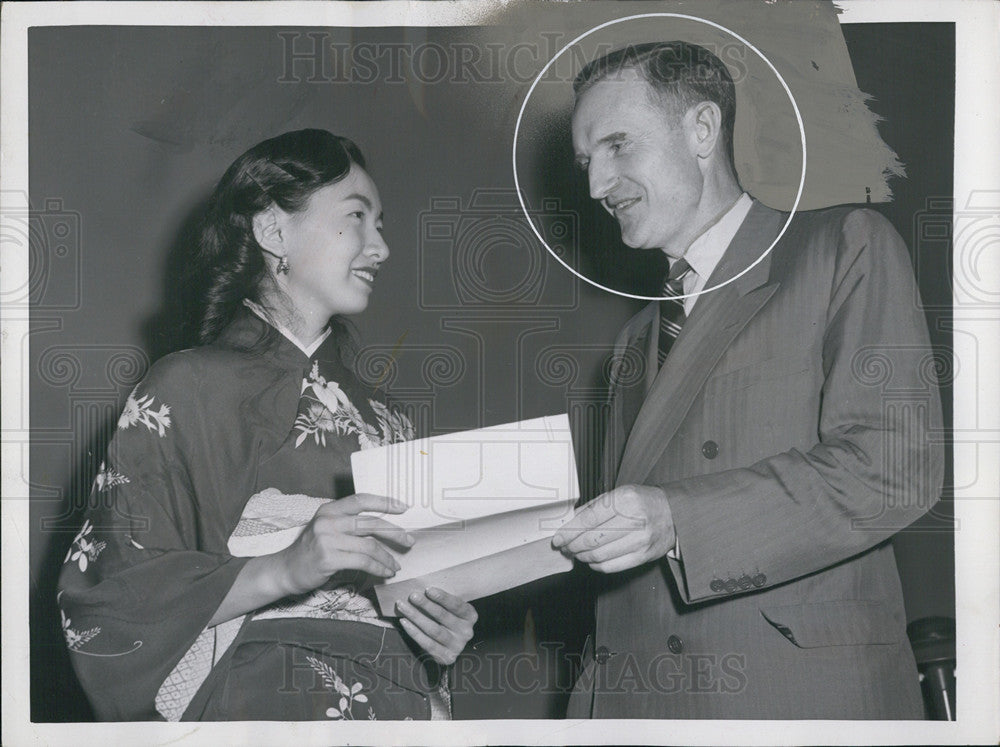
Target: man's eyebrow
{"type": "Point", "coordinates": [611, 138]}
{"type": "Point", "coordinates": [579, 158]}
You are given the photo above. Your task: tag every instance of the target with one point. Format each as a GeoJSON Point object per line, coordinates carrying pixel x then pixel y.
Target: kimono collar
{"type": "Point", "coordinates": [307, 349]}
{"type": "Point", "coordinates": [252, 335]}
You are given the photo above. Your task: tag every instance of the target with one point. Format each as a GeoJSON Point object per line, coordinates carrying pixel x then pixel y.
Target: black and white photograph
{"type": "Point", "coordinates": [521, 372]}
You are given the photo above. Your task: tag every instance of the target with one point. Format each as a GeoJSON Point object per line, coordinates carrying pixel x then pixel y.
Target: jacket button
{"type": "Point", "coordinates": [710, 449]}
{"type": "Point", "coordinates": [731, 585]}
{"type": "Point", "coordinates": [602, 654]}
{"type": "Point", "coordinates": [759, 580]}
{"type": "Point", "coordinates": [745, 582]}
{"type": "Point", "coordinates": [717, 585]}
{"type": "Point", "coordinates": [675, 644]}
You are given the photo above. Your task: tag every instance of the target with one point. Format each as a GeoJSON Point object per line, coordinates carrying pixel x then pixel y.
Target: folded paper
{"type": "Point", "coordinates": [483, 506]}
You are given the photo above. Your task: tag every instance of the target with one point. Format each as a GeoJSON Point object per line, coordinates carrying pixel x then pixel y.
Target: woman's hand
{"type": "Point", "coordinates": [439, 622]}
{"type": "Point", "coordinates": [339, 539]}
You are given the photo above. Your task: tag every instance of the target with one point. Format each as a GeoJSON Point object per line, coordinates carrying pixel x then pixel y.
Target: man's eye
{"type": "Point", "coordinates": [358, 214]}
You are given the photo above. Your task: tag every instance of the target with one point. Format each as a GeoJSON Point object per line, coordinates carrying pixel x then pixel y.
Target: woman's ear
{"type": "Point", "coordinates": [267, 232]}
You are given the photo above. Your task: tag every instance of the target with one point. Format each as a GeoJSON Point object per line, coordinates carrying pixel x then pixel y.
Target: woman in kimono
{"type": "Point", "coordinates": [178, 599]}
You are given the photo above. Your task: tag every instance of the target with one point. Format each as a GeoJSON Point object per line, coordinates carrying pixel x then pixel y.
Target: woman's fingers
{"type": "Point", "coordinates": [373, 526]}
{"type": "Point", "coordinates": [440, 623]}
{"type": "Point", "coordinates": [431, 636]}
{"type": "Point", "coordinates": [434, 630]}
{"type": "Point", "coordinates": [338, 539]}
{"type": "Point", "coordinates": [348, 517]}
{"type": "Point", "coordinates": [355, 504]}
{"type": "Point", "coordinates": [334, 519]}
{"type": "Point", "coordinates": [445, 607]}
{"type": "Point", "coordinates": [364, 554]}
{"type": "Point", "coordinates": [440, 653]}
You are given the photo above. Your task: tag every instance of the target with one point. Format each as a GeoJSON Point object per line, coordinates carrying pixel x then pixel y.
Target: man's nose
{"type": "Point", "coordinates": [602, 180]}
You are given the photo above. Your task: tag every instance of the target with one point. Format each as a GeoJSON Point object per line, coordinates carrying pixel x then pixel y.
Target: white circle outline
{"type": "Point", "coordinates": [791, 98]}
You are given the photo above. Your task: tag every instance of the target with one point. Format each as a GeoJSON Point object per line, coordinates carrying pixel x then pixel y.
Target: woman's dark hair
{"type": "Point", "coordinates": [284, 171]}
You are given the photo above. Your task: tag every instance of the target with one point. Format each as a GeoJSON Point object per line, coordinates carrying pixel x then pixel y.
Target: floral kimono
{"type": "Point", "coordinates": [206, 430]}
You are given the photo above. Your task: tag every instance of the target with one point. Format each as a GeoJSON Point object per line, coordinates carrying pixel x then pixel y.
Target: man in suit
{"type": "Point", "coordinates": [782, 429]}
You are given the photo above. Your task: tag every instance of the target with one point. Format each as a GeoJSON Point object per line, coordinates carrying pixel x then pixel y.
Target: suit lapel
{"type": "Point", "coordinates": [716, 320]}
{"type": "Point", "coordinates": [627, 386]}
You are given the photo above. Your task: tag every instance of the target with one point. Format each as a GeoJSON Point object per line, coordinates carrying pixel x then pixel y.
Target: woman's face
{"type": "Point", "coordinates": [334, 247]}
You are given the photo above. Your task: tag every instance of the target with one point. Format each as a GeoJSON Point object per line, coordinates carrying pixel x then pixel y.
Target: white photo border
{"type": "Point", "coordinates": [976, 419]}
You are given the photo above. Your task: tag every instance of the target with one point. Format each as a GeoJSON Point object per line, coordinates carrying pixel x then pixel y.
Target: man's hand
{"type": "Point", "coordinates": [621, 529]}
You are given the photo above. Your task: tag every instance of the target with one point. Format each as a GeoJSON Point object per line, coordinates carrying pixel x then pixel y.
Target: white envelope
{"type": "Point", "coordinates": [483, 505]}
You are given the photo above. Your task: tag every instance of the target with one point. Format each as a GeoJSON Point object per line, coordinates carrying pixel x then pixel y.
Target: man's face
{"type": "Point", "coordinates": [640, 162]}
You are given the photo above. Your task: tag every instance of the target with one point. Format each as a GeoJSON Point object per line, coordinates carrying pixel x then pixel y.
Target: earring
{"type": "Point", "coordinates": [283, 266]}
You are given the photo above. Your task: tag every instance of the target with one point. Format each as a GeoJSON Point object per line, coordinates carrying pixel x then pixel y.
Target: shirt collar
{"type": "Point", "coordinates": [289, 335]}
{"type": "Point", "coordinates": [706, 250]}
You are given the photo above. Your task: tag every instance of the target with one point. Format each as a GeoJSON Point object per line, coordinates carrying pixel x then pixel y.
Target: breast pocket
{"type": "Point", "coordinates": [761, 408]}
{"type": "Point", "coordinates": [757, 372]}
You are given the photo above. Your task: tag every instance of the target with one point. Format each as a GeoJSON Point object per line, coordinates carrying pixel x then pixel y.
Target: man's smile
{"type": "Point", "coordinates": [619, 206]}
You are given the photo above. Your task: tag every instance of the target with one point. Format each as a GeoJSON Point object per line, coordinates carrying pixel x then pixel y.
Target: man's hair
{"type": "Point", "coordinates": [683, 74]}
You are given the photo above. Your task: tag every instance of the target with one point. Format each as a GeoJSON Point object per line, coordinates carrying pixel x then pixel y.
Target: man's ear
{"type": "Point", "coordinates": [706, 127]}
{"type": "Point", "coordinates": [267, 232]}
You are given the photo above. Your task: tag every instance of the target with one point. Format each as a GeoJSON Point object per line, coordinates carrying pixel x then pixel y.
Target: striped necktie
{"type": "Point", "coordinates": [671, 308]}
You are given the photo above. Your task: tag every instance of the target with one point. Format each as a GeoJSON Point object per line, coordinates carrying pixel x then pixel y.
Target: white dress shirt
{"type": "Point", "coordinates": [706, 250]}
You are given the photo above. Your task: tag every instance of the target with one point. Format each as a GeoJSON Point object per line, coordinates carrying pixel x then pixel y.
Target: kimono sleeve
{"type": "Point", "coordinates": [137, 586]}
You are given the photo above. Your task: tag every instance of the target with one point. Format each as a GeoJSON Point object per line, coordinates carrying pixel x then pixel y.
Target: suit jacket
{"type": "Point", "coordinates": [794, 428]}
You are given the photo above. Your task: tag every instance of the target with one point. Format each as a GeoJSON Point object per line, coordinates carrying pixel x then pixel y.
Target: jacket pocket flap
{"type": "Point", "coordinates": [845, 622]}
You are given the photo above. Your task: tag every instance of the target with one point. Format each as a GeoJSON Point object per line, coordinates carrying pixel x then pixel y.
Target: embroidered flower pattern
{"type": "Point", "coordinates": [140, 410]}
{"type": "Point", "coordinates": [348, 695]}
{"type": "Point", "coordinates": [329, 603]}
{"type": "Point", "coordinates": [331, 411]}
{"type": "Point", "coordinates": [395, 426]}
{"type": "Point", "coordinates": [76, 638]}
{"type": "Point", "coordinates": [84, 550]}
{"type": "Point", "coordinates": [108, 477]}
{"type": "Point", "coordinates": [316, 421]}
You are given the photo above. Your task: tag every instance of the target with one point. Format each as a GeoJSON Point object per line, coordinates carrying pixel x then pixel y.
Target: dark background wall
{"type": "Point", "coordinates": [129, 128]}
